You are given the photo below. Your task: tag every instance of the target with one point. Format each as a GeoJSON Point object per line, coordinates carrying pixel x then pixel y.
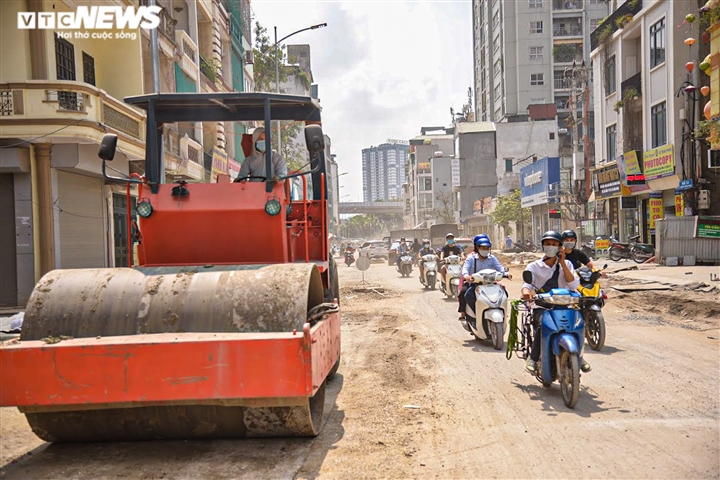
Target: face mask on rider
{"type": "Point", "coordinates": [451, 241]}
{"type": "Point", "coordinates": [426, 245]}
{"type": "Point", "coordinates": [260, 145]}
{"type": "Point", "coordinates": [551, 250]}
{"type": "Point", "coordinates": [569, 245]}
{"type": "Point", "coordinates": [484, 253]}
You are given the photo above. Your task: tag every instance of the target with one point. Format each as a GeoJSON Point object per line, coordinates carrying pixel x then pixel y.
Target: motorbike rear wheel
{"type": "Point", "coordinates": [496, 335]}
{"type": "Point", "coordinates": [569, 377]}
{"type": "Point", "coordinates": [595, 330]}
{"type": "Point", "coordinates": [615, 255]}
{"type": "Point", "coordinates": [640, 257]}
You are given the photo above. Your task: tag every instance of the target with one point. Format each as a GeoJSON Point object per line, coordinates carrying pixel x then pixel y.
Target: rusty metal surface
{"type": "Point", "coordinates": [676, 238]}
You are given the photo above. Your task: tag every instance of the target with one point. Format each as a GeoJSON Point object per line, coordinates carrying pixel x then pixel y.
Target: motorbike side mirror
{"type": "Point", "coordinates": [527, 277]}
{"type": "Point", "coordinates": [604, 266]}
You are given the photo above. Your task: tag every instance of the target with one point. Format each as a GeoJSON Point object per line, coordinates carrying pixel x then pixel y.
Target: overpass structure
{"type": "Point", "coordinates": [371, 207]}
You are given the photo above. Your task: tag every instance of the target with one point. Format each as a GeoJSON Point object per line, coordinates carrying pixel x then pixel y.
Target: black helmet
{"type": "Point", "coordinates": [551, 235]}
{"type": "Point", "coordinates": [402, 239]}
{"type": "Point", "coordinates": [569, 234]}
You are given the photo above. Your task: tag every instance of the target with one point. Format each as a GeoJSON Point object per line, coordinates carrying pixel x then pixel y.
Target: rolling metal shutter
{"type": "Point", "coordinates": [82, 223]}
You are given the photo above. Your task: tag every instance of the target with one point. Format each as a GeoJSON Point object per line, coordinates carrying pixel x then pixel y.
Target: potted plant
{"type": "Point", "coordinates": [631, 93]}
{"type": "Point", "coordinates": [618, 105]}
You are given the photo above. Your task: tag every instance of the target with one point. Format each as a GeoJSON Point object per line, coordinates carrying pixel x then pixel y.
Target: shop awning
{"type": "Point", "coordinates": [666, 183]}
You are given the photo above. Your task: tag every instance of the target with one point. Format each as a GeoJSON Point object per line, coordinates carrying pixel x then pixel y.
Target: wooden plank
{"type": "Point", "coordinates": [621, 269]}
{"type": "Point", "coordinates": [642, 287]}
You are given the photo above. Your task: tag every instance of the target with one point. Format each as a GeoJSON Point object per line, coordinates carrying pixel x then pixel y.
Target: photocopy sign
{"type": "Point", "coordinates": [455, 169]}
{"type": "Point", "coordinates": [659, 162]}
{"type": "Point", "coordinates": [96, 18]}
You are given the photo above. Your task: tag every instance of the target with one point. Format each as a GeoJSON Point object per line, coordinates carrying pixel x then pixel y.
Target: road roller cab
{"type": "Point", "coordinates": [226, 327]}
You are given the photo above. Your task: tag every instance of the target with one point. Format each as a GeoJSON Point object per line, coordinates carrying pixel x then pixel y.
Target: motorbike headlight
{"type": "Point", "coordinates": [562, 299]}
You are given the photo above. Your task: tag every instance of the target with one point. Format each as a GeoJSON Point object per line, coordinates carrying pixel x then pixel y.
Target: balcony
{"type": "Point", "coordinates": [567, 5]}
{"type": "Point", "coordinates": [189, 58]}
{"type": "Point", "coordinates": [167, 23]}
{"type": "Point", "coordinates": [634, 82]}
{"type": "Point", "coordinates": [560, 84]}
{"type": "Point", "coordinates": [235, 33]}
{"type": "Point", "coordinates": [567, 30]}
{"type": "Point", "coordinates": [566, 53]}
{"type": "Point", "coordinates": [36, 107]}
{"type": "Point", "coordinates": [610, 25]}
{"type": "Point", "coordinates": [182, 156]}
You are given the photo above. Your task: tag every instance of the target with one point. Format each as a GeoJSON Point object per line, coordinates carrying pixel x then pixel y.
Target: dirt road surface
{"type": "Point", "coordinates": [416, 396]}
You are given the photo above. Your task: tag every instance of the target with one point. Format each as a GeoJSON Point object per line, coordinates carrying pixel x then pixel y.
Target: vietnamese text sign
{"type": "Point", "coordinates": [707, 227]}
{"type": "Point", "coordinates": [601, 244]}
{"type": "Point", "coordinates": [455, 169]}
{"type": "Point", "coordinates": [655, 205]}
{"type": "Point", "coordinates": [659, 162]}
{"type": "Point", "coordinates": [679, 205]}
{"type": "Point", "coordinates": [632, 163]}
{"type": "Point", "coordinates": [219, 161]}
{"type": "Point", "coordinates": [608, 181]}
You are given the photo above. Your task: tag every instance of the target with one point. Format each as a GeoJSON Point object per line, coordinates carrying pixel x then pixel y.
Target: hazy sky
{"type": "Point", "coordinates": [383, 68]}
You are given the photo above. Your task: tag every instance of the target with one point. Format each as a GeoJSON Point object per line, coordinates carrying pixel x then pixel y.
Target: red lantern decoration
{"type": "Point", "coordinates": [705, 90]}
{"type": "Point", "coordinates": [690, 66]}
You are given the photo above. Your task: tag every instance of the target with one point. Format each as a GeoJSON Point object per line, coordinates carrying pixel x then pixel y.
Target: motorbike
{"type": "Point", "coordinates": [641, 252]}
{"type": "Point", "coordinates": [591, 307]}
{"type": "Point", "coordinates": [562, 333]}
{"type": "Point", "coordinates": [491, 305]}
{"type": "Point", "coordinates": [429, 276]}
{"type": "Point", "coordinates": [335, 250]}
{"type": "Point", "coordinates": [524, 247]}
{"type": "Point", "coordinates": [588, 249]}
{"type": "Point", "coordinates": [405, 268]}
{"type": "Point", "coordinates": [349, 257]}
{"type": "Point", "coordinates": [619, 251]}
{"type": "Point", "coordinates": [450, 284]}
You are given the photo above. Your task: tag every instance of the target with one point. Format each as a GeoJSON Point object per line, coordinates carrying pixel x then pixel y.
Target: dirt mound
{"type": "Point", "coordinates": [516, 258]}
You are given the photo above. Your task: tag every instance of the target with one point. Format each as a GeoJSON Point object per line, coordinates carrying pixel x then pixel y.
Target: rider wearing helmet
{"type": "Point", "coordinates": [552, 271]}
{"type": "Point", "coordinates": [402, 249]}
{"type": "Point", "coordinates": [480, 259]}
{"type": "Point", "coordinates": [577, 257]}
{"type": "Point", "coordinates": [425, 250]}
{"type": "Point", "coordinates": [449, 249]}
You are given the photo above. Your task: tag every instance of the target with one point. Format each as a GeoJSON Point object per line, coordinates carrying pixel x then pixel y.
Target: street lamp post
{"type": "Point", "coordinates": [277, 64]}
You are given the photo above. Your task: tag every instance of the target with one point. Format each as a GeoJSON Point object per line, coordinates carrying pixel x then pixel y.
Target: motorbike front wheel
{"type": "Point", "coordinates": [432, 283]}
{"type": "Point", "coordinates": [615, 255]}
{"type": "Point", "coordinates": [595, 330]}
{"type": "Point", "coordinates": [496, 335]}
{"type": "Point", "coordinates": [569, 377]}
{"type": "Point", "coordinates": [640, 257]}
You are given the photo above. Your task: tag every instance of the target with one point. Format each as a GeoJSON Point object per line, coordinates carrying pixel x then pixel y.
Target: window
{"type": "Point", "coordinates": [535, 3]}
{"type": "Point", "coordinates": [508, 165]}
{"type": "Point", "coordinates": [657, 43]}
{"type": "Point", "coordinates": [610, 76]}
{"type": "Point", "coordinates": [425, 201]}
{"type": "Point", "coordinates": [425, 184]}
{"type": "Point", "coordinates": [659, 125]}
{"type": "Point", "coordinates": [536, 27]}
{"type": "Point", "coordinates": [88, 69]}
{"type": "Point", "coordinates": [496, 91]}
{"type": "Point", "coordinates": [552, 135]}
{"type": "Point", "coordinates": [64, 59]}
{"type": "Point", "coordinates": [536, 53]}
{"type": "Point", "coordinates": [537, 101]}
{"type": "Point", "coordinates": [611, 139]}
{"type": "Point", "coordinates": [594, 23]}
{"type": "Point", "coordinates": [537, 79]}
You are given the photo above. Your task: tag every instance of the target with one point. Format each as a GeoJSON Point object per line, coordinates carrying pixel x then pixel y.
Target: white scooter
{"type": "Point", "coordinates": [450, 285]}
{"type": "Point", "coordinates": [491, 306]}
{"type": "Point", "coordinates": [429, 276]}
{"type": "Point", "coordinates": [405, 267]}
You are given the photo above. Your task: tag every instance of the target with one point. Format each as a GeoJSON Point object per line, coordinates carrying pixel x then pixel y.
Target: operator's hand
{"type": "Point", "coordinates": [561, 255]}
{"type": "Point", "coordinates": [526, 295]}
{"type": "Point", "coordinates": [508, 275]}
{"type": "Point", "coordinates": [468, 278]}
{"type": "Point", "coordinates": [603, 274]}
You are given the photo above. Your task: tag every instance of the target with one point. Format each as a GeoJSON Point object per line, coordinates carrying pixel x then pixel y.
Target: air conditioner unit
{"type": "Point", "coordinates": [704, 199]}
{"type": "Point", "coordinates": [713, 158]}
{"type": "Point", "coordinates": [562, 131]}
{"type": "Point", "coordinates": [249, 57]}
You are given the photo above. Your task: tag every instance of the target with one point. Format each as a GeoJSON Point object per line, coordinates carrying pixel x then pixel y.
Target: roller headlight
{"type": "Point", "coordinates": [273, 207]}
{"type": "Point", "coordinates": [144, 208]}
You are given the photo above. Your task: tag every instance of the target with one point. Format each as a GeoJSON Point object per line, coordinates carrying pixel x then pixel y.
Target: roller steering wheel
{"type": "Point", "coordinates": [245, 179]}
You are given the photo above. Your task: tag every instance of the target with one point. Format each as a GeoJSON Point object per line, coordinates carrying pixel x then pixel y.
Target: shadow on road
{"type": "Point", "coordinates": [605, 351]}
{"type": "Point", "coordinates": [552, 401]}
{"type": "Point", "coordinates": [482, 346]}
{"type": "Point", "coordinates": [249, 458]}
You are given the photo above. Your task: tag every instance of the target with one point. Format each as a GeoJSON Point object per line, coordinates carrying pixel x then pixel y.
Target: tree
{"type": "Point", "coordinates": [445, 207]}
{"type": "Point", "coordinates": [509, 209]}
{"type": "Point", "coordinates": [264, 75]}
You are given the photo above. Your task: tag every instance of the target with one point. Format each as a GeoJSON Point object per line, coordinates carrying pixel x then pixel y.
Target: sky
{"type": "Point", "coordinates": [383, 68]}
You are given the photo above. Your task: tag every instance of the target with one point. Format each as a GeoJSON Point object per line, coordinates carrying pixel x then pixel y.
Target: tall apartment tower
{"type": "Point", "coordinates": [521, 49]}
{"type": "Point", "coordinates": [384, 170]}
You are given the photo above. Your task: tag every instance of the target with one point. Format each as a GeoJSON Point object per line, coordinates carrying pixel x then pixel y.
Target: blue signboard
{"type": "Point", "coordinates": [684, 185]}
{"type": "Point", "coordinates": [535, 178]}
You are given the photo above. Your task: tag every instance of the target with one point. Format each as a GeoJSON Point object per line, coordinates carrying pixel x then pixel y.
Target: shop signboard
{"type": "Point", "coordinates": [679, 205]}
{"type": "Point", "coordinates": [659, 162]}
{"type": "Point", "coordinates": [707, 227]}
{"type": "Point", "coordinates": [554, 213]}
{"type": "Point", "coordinates": [478, 206]}
{"type": "Point", "coordinates": [535, 178]}
{"type": "Point", "coordinates": [607, 180]}
{"type": "Point", "coordinates": [233, 168]}
{"type": "Point", "coordinates": [219, 161]}
{"type": "Point", "coordinates": [655, 210]}
{"type": "Point", "coordinates": [628, 203]}
{"type": "Point", "coordinates": [455, 168]}
{"type": "Point", "coordinates": [602, 244]}
{"type": "Point", "coordinates": [629, 167]}
{"type": "Point", "coordinates": [684, 185]}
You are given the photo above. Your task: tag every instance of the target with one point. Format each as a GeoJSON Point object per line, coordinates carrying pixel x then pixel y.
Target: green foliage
{"type": "Point", "coordinates": [618, 105]}
{"type": "Point", "coordinates": [605, 34]}
{"type": "Point", "coordinates": [708, 129]}
{"type": "Point", "coordinates": [370, 226]}
{"type": "Point", "coordinates": [710, 14]}
{"type": "Point", "coordinates": [211, 68]}
{"type": "Point", "coordinates": [633, 4]}
{"type": "Point", "coordinates": [623, 20]}
{"type": "Point", "coordinates": [264, 76]}
{"type": "Point", "coordinates": [508, 209]}
{"type": "Point", "coordinates": [630, 93]}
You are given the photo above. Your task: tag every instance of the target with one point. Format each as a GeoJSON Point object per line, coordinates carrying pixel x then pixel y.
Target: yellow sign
{"type": "Point", "coordinates": [219, 161]}
{"type": "Point", "coordinates": [656, 210]}
{"type": "Point", "coordinates": [632, 165]}
{"type": "Point", "coordinates": [679, 205]}
{"type": "Point", "coordinates": [477, 206]}
{"type": "Point", "coordinates": [602, 244]}
{"type": "Point", "coordinates": [659, 162]}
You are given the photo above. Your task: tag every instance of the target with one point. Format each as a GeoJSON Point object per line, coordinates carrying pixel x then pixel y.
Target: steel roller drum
{"type": "Point", "coordinates": [125, 301]}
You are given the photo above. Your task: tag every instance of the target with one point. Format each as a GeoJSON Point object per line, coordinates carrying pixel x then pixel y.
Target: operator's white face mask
{"type": "Point", "coordinates": [551, 250]}
{"type": "Point", "coordinates": [484, 253]}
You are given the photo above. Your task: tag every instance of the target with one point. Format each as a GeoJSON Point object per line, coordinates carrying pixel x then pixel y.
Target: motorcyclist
{"type": "Point", "coordinates": [425, 250]}
{"type": "Point", "coordinates": [480, 259]}
{"type": "Point", "coordinates": [552, 271]}
{"type": "Point", "coordinates": [402, 249]}
{"type": "Point", "coordinates": [449, 249]}
{"type": "Point", "coordinates": [577, 257]}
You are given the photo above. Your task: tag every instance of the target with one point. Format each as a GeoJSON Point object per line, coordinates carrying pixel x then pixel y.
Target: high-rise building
{"type": "Point", "coordinates": [384, 170]}
{"type": "Point", "coordinates": [521, 50]}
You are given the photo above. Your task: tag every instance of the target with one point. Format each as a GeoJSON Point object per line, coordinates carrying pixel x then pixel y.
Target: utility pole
{"type": "Point", "coordinates": [579, 79]}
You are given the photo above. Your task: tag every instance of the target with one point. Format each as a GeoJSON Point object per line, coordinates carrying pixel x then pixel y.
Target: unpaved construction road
{"type": "Point", "coordinates": [649, 408]}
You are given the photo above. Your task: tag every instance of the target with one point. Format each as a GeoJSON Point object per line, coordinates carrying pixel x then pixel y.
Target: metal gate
{"type": "Point", "coordinates": [8, 240]}
{"type": "Point", "coordinates": [82, 229]}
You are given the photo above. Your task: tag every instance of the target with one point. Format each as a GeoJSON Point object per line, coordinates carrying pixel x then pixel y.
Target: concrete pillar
{"type": "Point", "coordinates": [38, 52]}
{"type": "Point", "coordinates": [44, 225]}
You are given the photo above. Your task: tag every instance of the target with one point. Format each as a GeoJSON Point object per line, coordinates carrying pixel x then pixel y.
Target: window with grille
{"type": "Point", "coordinates": [536, 53]}
{"type": "Point", "coordinates": [64, 59]}
{"type": "Point", "coordinates": [88, 69]}
{"type": "Point", "coordinates": [658, 120]}
{"type": "Point", "coordinates": [537, 79]}
{"type": "Point", "coordinates": [657, 43]}
{"type": "Point", "coordinates": [535, 3]}
{"type": "Point", "coordinates": [594, 23]}
{"type": "Point", "coordinates": [536, 27]}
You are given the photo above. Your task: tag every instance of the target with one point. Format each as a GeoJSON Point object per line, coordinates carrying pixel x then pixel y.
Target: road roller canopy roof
{"type": "Point", "coordinates": [227, 107]}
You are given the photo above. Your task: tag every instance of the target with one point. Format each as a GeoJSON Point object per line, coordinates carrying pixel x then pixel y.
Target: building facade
{"type": "Point", "coordinates": [384, 171]}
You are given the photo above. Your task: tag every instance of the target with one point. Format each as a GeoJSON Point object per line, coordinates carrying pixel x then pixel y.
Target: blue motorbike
{"type": "Point", "coordinates": [562, 336]}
